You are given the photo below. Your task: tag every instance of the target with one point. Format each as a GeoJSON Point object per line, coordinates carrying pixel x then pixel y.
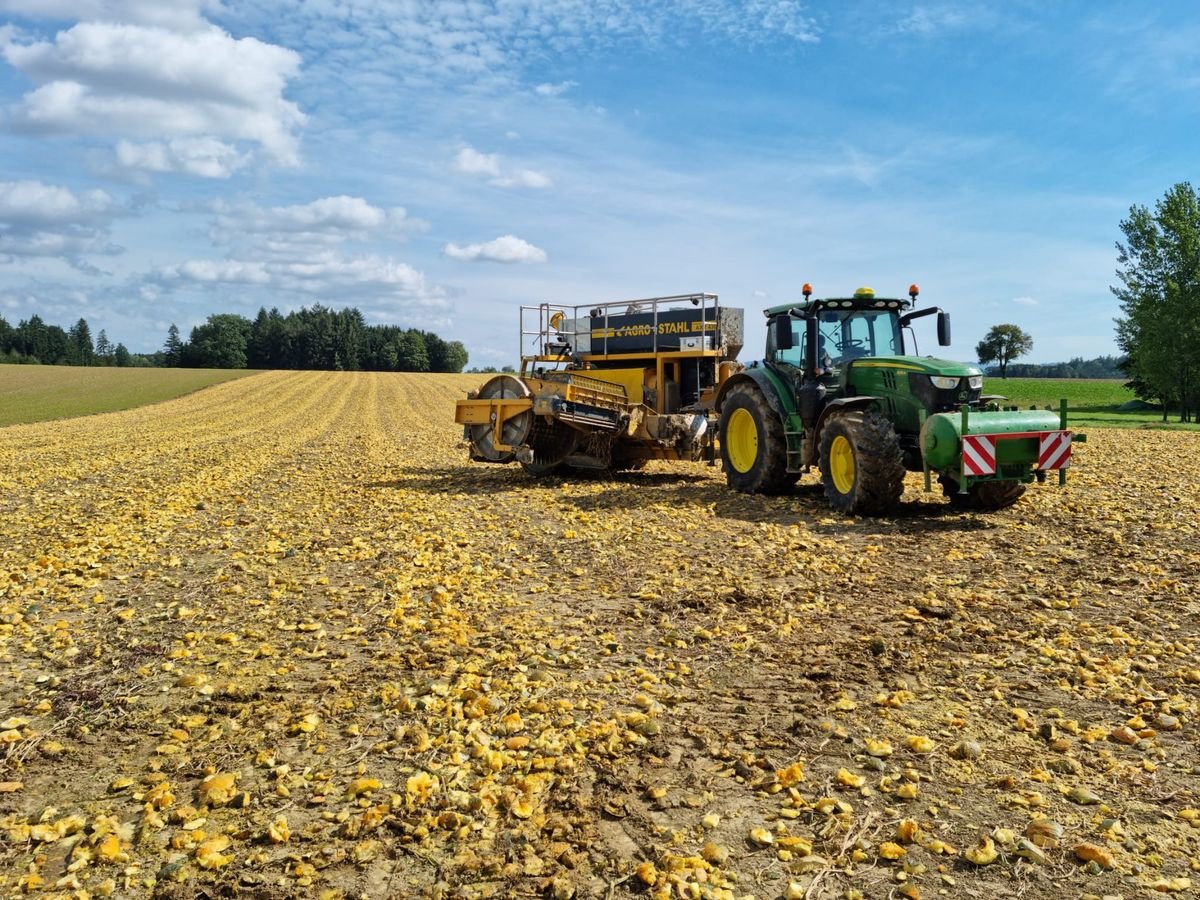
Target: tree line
{"type": "Point", "coordinates": [1078, 367]}
{"type": "Point", "coordinates": [1159, 289]}
{"type": "Point", "coordinates": [34, 342]}
{"type": "Point", "coordinates": [310, 338]}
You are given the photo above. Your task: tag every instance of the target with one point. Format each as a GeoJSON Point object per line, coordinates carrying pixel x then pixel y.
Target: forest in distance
{"type": "Point", "coordinates": [315, 337]}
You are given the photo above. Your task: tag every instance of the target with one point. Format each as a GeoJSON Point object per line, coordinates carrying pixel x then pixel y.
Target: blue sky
{"type": "Point", "coordinates": [437, 164]}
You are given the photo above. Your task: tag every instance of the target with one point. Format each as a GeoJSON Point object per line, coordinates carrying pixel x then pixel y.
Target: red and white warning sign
{"type": "Point", "coordinates": [1054, 450]}
{"type": "Point", "coordinates": [979, 454]}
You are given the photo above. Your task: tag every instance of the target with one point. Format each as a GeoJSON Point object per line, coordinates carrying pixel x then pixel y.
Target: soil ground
{"type": "Point", "coordinates": [280, 638]}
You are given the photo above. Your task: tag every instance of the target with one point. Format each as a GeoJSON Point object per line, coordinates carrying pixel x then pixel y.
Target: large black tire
{"type": "Point", "coordinates": [753, 446]}
{"type": "Point", "coordinates": [861, 463]}
{"type": "Point", "coordinates": [987, 496]}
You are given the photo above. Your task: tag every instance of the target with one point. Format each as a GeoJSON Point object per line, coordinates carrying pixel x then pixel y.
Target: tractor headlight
{"type": "Point", "coordinates": [944, 382]}
{"type": "Point", "coordinates": [976, 382]}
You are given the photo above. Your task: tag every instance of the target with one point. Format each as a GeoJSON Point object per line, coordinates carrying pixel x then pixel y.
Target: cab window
{"type": "Point", "coordinates": [844, 336]}
{"type": "Point", "coordinates": [794, 355]}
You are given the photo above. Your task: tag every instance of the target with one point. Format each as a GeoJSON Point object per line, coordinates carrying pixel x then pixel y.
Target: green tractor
{"type": "Point", "coordinates": [836, 390]}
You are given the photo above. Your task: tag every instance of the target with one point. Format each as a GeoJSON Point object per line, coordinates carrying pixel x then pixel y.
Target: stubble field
{"type": "Point", "coordinates": [279, 638]}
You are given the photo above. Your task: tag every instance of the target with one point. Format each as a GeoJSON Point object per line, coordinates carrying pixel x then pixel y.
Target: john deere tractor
{"type": "Point", "coordinates": [837, 390]}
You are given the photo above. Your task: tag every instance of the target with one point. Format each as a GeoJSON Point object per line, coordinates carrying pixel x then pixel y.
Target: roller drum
{"type": "Point", "coordinates": [941, 435]}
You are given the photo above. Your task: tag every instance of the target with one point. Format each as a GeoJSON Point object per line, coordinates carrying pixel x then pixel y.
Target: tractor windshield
{"type": "Point", "coordinates": [843, 336]}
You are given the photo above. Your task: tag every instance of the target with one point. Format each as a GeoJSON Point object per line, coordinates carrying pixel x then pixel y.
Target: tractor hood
{"type": "Point", "coordinates": [929, 365]}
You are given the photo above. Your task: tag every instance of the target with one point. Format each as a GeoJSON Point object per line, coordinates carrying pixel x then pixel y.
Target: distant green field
{"type": "Point", "coordinates": [40, 393]}
{"type": "Point", "coordinates": [1089, 401]}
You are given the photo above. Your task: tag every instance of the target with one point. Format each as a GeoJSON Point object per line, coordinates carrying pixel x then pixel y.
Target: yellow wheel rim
{"type": "Point", "coordinates": [841, 464]}
{"type": "Point", "coordinates": [741, 440]}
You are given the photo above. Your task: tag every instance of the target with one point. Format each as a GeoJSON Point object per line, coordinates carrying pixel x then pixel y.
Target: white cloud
{"type": "Point", "coordinates": [523, 178]}
{"type": "Point", "coordinates": [25, 202]}
{"type": "Point", "coordinates": [505, 249]}
{"type": "Point", "coordinates": [43, 220]}
{"type": "Point", "coordinates": [554, 90]}
{"type": "Point", "coordinates": [147, 81]}
{"type": "Point", "coordinates": [931, 20]}
{"type": "Point", "coordinates": [470, 161]}
{"type": "Point", "coordinates": [293, 231]}
{"type": "Point", "coordinates": [178, 15]}
{"type": "Point", "coordinates": [1025, 301]}
{"type": "Point", "coordinates": [493, 43]}
{"type": "Point", "coordinates": [299, 249]}
{"type": "Point", "coordinates": [205, 157]}
{"type": "Point", "coordinates": [229, 271]}
{"type": "Point", "coordinates": [327, 276]}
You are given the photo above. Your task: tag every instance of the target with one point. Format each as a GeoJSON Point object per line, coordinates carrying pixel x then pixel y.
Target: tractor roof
{"type": "Point", "coordinates": [813, 304]}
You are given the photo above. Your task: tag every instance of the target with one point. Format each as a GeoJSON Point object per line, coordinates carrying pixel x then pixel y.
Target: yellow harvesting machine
{"type": "Point", "coordinates": [608, 386]}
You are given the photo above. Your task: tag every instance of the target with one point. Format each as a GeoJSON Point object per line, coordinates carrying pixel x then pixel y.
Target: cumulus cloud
{"type": "Point", "coordinates": [302, 249]}
{"type": "Point", "coordinates": [44, 220]}
{"type": "Point", "coordinates": [327, 276]}
{"type": "Point", "coordinates": [206, 157]}
{"type": "Point", "coordinates": [198, 85]}
{"type": "Point", "coordinates": [304, 228]}
{"type": "Point", "coordinates": [507, 248]}
{"type": "Point", "coordinates": [470, 161]}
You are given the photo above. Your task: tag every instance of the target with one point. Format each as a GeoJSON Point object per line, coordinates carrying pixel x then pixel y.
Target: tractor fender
{"type": "Point", "coordinates": [841, 405]}
{"type": "Point", "coordinates": [832, 408]}
{"type": "Point", "coordinates": [767, 384]}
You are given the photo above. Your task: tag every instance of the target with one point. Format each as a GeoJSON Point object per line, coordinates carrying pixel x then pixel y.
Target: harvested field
{"type": "Point", "coordinates": [279, 638]}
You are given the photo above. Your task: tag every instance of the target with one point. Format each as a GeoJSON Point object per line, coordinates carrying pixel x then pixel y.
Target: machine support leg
{"type": "Point", "coordinates": [924, 464]}
{"type": "Point", "coordinates": [1062, 417]}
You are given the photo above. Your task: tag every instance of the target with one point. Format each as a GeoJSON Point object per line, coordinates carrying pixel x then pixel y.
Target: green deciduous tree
{"type": "Point", "coordinates": [220, 343]}
{"type": "Point", "coordinates": [1158, 267]}
{"type": "Point", "coordinates": [411, 352]}
{"type": "Point", "coordinates": [1001, 345]}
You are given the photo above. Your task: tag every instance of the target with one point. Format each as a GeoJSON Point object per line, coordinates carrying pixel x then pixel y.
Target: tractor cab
{"type": "Point", "coordinates": [821, 337]}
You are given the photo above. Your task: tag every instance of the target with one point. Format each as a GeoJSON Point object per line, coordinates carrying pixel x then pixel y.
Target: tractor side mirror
{"type": "Point", "coordinates": [943, 327]}
{"type": "Point", "coordinates": [783, 332]}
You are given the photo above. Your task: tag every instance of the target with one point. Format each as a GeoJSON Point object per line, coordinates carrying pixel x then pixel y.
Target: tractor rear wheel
{"type": "Point", "coordinates": [987, 496]}
{"type": "Point", "coordinates": [753, 446]}
{"type": "Point", "coordinates": [860, 461]}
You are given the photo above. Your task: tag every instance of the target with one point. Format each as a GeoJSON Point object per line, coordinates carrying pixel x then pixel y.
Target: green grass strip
{"type": "Point", "coordinates": [42, 393]}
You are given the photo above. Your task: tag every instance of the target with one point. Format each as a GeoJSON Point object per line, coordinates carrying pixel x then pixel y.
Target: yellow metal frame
{"type": "Point", "coordinates": [495, 412]}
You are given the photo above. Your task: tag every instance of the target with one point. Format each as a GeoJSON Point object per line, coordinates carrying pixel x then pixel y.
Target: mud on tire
{"type": "Point", "coordinates": [753, 433]}
{"type": "Point", "coordinates": [861, 463]}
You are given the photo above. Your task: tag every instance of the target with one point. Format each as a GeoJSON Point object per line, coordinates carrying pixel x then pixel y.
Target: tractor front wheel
{"type": "Point", "coordinates": [753, 446]}
{"type": "Point", "coordinates": [860, 461]}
